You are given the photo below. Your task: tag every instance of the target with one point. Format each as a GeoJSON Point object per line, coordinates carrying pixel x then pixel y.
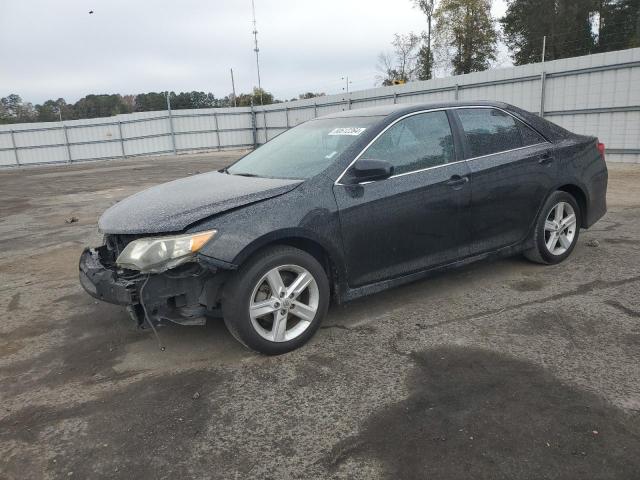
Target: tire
{"type": "Point", "coordinates": [253, 311]}
{"type": "Point", "coordinates": [555, 239]}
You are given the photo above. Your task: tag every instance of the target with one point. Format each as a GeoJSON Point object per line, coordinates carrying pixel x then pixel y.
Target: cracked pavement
{"type": "Point", "coordinates": [502, 369]}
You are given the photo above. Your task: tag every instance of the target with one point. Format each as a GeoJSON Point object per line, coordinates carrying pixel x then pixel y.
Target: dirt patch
{"type": "Point", "coordinates": [529, 285]}
{"type": "Point", "coordinates": [99, 339]}
{"type": "Point", "coordinates": [14, 303]}
{"type": "Point", "coordinates": [476, 413]}
{"type": "Point", "coordinates": [144, 430]}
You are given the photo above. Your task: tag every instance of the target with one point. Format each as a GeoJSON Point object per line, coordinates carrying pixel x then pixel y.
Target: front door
{"type": "Point", "coordinates": [411, 220]}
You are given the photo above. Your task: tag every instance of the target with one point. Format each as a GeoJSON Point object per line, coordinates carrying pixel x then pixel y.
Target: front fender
{"type": "Point", "coordinates": [308, 213]}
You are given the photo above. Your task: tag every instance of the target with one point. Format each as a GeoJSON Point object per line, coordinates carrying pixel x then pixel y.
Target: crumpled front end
{"type": "Point", "coordinates": [186, 294]}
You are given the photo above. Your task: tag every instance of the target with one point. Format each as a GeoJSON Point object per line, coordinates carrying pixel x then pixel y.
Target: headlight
{"type": "Point", "coordinates": [155, 255]}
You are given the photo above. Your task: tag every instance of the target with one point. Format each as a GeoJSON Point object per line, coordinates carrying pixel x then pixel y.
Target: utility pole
{"type": "Point", "coordinates": [171, 130]}
{"type": "Point", "coordinates": [233, 87]}
{"type": "Point", "coordinates": [544, 47]}
{"type": "Point", "coordinates": [346, 79]}
{"type": "Point", "coordinates": [256, 49]}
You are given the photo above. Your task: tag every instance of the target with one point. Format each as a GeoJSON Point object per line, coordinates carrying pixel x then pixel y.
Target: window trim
{"type": "Point", "coordinates": [337, 182]}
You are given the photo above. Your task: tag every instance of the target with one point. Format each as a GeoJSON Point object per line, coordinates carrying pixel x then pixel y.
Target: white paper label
{"type": "Point", "coordinates": [353, 131]}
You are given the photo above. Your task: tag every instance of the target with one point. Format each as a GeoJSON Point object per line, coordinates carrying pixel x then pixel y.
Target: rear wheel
{"type": "Point", "coordinates": [556, 231]}
{"type": "Point", "coordinates": [276, 301]}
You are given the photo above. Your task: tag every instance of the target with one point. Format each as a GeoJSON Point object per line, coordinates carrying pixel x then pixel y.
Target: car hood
{"type": "Point", "coordinates": [173, 206]}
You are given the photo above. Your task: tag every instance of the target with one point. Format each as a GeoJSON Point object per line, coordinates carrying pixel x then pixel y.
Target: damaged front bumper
{"type": "Point", "coordinates": [103, 283]}
{"type": "Point", "coordinates": [184, 295]}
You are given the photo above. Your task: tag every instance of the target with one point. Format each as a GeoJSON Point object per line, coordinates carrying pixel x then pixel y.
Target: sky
{"type": "Point", "coordinates": [51, 49]}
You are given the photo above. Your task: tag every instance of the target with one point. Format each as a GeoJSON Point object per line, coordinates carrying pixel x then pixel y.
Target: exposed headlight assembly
{"type": "Point", "coordinates": [155, 255]}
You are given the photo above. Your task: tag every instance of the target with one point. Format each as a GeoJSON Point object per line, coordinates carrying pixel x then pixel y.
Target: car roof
{"type": "Point", "coordinates": [403, 108]}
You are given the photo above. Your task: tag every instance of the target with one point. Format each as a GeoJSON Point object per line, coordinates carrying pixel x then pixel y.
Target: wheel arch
{"type": "Point", "coordinates": [305, 241]}
{"type": "Point", "coordinates": [579, 194]}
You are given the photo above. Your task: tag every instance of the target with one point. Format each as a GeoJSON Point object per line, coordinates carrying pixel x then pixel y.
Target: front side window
{"type": "Point", "coordinates": [415, 143]}
{"type": "Point", "coordinates": [489, 130]}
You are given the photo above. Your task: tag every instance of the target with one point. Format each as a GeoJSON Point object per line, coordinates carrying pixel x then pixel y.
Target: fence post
{"type": "Point", "coordinates": [254, 126]}
{"type": "Point", "coordinates": [543, 78]}
{"type": "Point", "coordinates": [215, 122]}
{"type": "Point", "coordinates": [121, 139]}
{"type": "Point", "coordinates": [173, 133]}
{"type": "Point", "coordinates": [66, 142]}
{"type": "Point", "coordinates": [395, 97]}
{"type": "Point", "coordinates": [15, 149]}
{"type": "Point", "coordinates": [457, 90]}
{"type": "Point", "coordinates": [266, 130]}
{"type": "Point", "coordinates": [315, 109]}
{"type": "Point", "coordinates": [349, 103]}
{"type": "Point", "coordinates": [286, 112]}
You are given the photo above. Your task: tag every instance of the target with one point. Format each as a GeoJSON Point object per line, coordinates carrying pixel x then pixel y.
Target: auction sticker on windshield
{"type": "Point", "coordinates": [354, 131]}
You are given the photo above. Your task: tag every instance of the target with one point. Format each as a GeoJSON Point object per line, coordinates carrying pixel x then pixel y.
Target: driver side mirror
{"type": "Point", "coordinates": [370, 170]}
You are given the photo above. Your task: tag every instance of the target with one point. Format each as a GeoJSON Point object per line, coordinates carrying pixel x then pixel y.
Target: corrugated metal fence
{"type": "Point", "coordinates": [595, 94]}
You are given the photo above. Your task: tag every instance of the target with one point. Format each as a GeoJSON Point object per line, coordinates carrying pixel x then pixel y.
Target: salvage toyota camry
{"type": "Point", "coordinates": [343, 206]}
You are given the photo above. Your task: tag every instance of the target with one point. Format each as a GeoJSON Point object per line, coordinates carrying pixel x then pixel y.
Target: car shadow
{"type": "Point", "coordinates": [475, 413]}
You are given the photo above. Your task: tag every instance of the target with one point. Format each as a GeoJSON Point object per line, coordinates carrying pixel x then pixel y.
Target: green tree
{"type": "Point", "coordinates": [425, 54]}
{"type": "Point", "coordinates": [150, 102]}
{"type": "Point", "coordinates": [258, 97]}
{"type": "Point", "coordinates": [565, 23]}
{"type": "Point", "coordinates": [94, 106]}
{"type": "Point", "coordinates": [306, 95]}
{"type": "Point", "coordinates": [49, 111]}
{"type": "Point", "coordinates": [619, 25]}
{"type": "Point", "coordinates": [465, 34]}
{"type": "Point", "coordinates": [14, 110]}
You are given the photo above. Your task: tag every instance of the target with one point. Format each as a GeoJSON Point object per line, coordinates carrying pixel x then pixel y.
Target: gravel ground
{"type": "Point", "coordinates": [501, 369]}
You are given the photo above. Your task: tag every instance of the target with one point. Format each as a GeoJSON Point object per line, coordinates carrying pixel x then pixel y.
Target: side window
{"type": "Point", "coordinates": [530, 136]}
{"type": "Point", "coordinates": [419, 141]}
{"type": "Point", "coordinates": [489, 130]}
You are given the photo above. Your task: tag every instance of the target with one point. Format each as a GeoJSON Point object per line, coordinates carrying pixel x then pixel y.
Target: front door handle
{"type": "Point", "coordinates": [457, 181]}
{"type": "Point", "coordinates": [545, 159]}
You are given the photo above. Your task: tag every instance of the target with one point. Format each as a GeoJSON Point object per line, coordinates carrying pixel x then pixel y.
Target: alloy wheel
{"type": "Point", "coordinates": [283, 303]}
{"type": "Point", "coordinates": [560, 228]}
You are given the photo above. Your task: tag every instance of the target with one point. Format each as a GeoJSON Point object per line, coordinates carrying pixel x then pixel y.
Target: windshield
{"type": "Point", "coordinates": [305, 150]}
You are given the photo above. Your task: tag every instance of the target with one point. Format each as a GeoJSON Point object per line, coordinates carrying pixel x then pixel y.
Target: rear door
{"type": "Point", "coordinates": [513, 169]}
{"type": "Point", "coordinates": [410, 221]}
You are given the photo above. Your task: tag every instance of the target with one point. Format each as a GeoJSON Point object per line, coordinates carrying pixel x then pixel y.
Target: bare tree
{"type": "Point", "coordinates": [401, 64]}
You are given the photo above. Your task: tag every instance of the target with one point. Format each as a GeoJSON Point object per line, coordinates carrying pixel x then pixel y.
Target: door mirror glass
{"type": "Point", "coordinates": [370, 170]}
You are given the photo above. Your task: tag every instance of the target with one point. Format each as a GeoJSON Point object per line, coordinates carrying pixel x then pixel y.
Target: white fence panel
{"type": "Point", "coordinates": [594, 95]}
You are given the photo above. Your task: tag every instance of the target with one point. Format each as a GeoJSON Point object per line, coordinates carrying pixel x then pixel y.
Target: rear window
{"type": "Point", "coordinates": [489, 130]}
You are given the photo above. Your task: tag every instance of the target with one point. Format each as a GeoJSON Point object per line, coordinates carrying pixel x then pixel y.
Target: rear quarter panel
{"type": "Point", "coordinates": [580, 164]}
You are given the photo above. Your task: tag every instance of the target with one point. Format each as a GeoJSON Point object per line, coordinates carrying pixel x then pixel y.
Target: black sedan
{"type": "Point", "coordinates": [344, 206]}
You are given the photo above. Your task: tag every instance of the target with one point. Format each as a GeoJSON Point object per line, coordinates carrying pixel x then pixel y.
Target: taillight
{"type": "Point", "coordinates": [601, 149]}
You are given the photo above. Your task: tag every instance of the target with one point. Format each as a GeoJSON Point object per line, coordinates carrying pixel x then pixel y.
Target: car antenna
{"type": "Point", "coordinates": [146, 315]}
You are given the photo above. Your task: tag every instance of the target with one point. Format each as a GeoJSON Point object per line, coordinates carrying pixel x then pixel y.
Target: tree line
{"type": "Point", "coordinates": [461, 36]}
{"type": "Point", "coordinates": [13, 109]}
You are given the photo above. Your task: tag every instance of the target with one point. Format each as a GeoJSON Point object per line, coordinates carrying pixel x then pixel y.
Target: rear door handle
{"type": "Point", "coordinates": [545, 159]}
{"type": "Point", "coordinates": [457, 181]}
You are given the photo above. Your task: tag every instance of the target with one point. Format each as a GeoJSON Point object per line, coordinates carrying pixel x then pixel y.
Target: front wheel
{"type": "Point", "coordinates": [557, 228]}
{"type": "Point", "coordinates": [276, 301]}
